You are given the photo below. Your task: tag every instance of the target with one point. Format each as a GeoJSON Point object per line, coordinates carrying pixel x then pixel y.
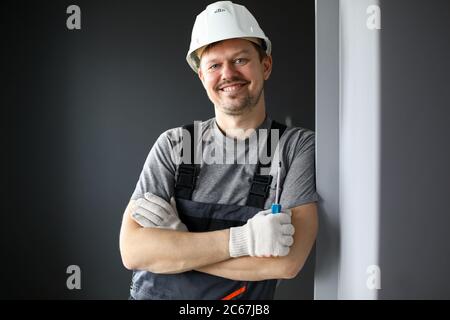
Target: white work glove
{"type": "Point", "coordinates": [264, 235]}
{"type": "Point", "coordinates": [153, 211]}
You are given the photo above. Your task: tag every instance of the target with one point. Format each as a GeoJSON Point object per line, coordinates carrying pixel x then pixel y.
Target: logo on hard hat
{"type": "Point", "coordinates": [220, 10]}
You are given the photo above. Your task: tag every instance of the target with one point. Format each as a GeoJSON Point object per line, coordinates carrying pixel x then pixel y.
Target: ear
{"type": "Point", "coordinates": [200, 74]}
{"type": "Point", "coordinates": [267, 66]}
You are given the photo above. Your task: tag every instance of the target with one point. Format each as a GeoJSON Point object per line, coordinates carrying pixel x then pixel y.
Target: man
{"type": "Point", "coordinates": [217, 238]}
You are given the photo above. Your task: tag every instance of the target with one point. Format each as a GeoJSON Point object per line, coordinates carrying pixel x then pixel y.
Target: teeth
{"type": "Point", "coordinates": [231, 88]}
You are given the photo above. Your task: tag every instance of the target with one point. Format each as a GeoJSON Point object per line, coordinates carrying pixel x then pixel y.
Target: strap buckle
{"type": "Point", "coordinates": [187, 176]}
{"type": "Point", "coordinates": [261, 185]}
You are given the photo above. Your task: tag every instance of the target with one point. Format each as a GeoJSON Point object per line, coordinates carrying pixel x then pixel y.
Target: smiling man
{"type": "Point", "coordinates": [233, 73]}
{"type": "Point", "coordinates": [198, 230]}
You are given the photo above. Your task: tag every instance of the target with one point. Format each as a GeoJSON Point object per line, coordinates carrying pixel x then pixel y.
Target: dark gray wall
{"type": "Point", "coordinates": [415, 172]}
{"type": "Point", "coordinates": [80, 111]}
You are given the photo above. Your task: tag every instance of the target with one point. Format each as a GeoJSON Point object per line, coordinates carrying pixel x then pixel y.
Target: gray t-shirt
{"type": "Point", "coordinates": [229, 183]}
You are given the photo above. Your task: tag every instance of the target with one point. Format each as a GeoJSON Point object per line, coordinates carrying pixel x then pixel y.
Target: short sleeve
{"type": "Point", "coordinates": [299, 185]}
{"type": "Point", "coordinates": [158, 173]}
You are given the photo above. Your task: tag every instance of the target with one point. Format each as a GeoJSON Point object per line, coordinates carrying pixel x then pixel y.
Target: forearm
{"type": "Point", "coordinates": [167, 251]}
{"type": "Point", "coordinates": [304, 219]}
{"type": "Point", "coordinates": [249, 268]}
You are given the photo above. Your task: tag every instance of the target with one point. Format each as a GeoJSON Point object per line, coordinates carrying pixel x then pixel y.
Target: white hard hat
{"type": "Point", "coordinates": [220, 21]}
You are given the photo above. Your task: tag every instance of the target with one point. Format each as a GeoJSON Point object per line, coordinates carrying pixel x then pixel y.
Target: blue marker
{"type": "Point", "coordinates": [276, 207]}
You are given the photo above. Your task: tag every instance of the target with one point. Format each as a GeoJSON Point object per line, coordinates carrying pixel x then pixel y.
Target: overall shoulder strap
{"type": "Point", "coordinates": [260, 187]}
{"type": "Point", "coordinates": [187, 172]}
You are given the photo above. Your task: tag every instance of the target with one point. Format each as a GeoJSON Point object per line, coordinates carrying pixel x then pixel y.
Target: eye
{"type": "Point", "coordinates": [240, 61]}
{"type": "Point", "coordinates": [213, 66]}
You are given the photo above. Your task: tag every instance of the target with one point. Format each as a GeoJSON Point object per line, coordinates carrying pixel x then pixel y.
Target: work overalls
{"type": "Point", "coordinates": [202, 217]}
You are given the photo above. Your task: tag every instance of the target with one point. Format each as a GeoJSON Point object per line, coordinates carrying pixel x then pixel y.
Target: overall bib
{"type": "Point", "coordinates": [202, 217]}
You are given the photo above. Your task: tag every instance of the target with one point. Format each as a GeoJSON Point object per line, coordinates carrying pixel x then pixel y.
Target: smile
{"type": "Point", "coordinates": [232, 87]}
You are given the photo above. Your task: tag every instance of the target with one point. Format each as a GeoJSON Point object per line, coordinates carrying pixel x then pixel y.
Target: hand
{"type": "Point", "coordinates": [153, 211]}
{"type": "Point", "coordinates": [264, 235]}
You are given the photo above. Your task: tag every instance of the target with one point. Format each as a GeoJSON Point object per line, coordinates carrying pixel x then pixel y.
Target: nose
{"type": "Point", "coordinates": [229, 71]}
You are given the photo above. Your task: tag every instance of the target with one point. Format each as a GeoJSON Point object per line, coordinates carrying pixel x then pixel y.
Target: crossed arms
{"type": "Point", "coordinates": [168, 251]}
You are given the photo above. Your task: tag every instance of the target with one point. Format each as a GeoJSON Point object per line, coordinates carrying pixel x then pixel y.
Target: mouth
{"type": "Point", "coordinates": [232, 87]}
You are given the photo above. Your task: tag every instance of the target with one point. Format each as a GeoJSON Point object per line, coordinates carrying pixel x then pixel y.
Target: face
{"type": "Point", "coordinates": [233, 75]}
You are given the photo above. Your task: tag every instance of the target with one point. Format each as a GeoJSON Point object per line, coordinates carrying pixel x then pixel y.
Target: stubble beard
{"type": "Point", "coordinates": [240, 106]}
